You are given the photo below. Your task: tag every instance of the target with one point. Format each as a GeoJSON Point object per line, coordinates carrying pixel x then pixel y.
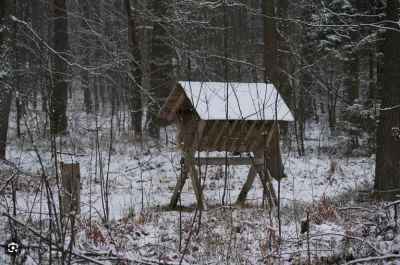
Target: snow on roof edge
{"type": "Point", "coordinates": [236, 101]}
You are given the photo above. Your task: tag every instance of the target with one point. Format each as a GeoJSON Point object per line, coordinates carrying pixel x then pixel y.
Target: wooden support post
{"type": "Point", "coordinates": [179, 186]}
{"type": "Point", "coordinates": [265, 181]}
{"type": "Point", "coordinates": [247, 186]}
{"type": "Point", "coordinates": [71, 188]}
{"type": "Point", "coordinates": [195, 182]}
{"type": "Point", "coordinates": [270, 193]}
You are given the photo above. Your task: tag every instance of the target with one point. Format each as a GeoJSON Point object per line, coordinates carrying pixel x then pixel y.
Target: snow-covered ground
{"type": "Point", "coordinates": [345, 223]}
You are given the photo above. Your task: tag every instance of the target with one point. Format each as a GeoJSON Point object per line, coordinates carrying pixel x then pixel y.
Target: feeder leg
{"type": "Point", "coordinates": [247, 186]}
{"type": "Point", "coordinates": [268, 187]}
{"type": "Point", "coordinates": [196, 184]}
{"type": "Point", "coordinates": [179, 186]}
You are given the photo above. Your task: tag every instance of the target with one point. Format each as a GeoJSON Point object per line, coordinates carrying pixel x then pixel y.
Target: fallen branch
{"type": "Point", "coordinates": [7, 182]}
{"type": "Point", "coordinates": [391, 204]}
{"type": "Point", "coordinates": [392, 256]}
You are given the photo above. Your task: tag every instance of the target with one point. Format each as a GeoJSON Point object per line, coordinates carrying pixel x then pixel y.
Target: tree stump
{"type": "Point", "coordinates": [71, 188]}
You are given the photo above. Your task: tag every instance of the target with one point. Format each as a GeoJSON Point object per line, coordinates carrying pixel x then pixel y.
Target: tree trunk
{"type": "Point", "coordinates": [271, 72]}
{"type": "Point", "coordinates": [161, 81]}
{"type": "Point", "coordinates": [59, 94]}
{"type": "Point", "coordinates": [5, 72]}
{"type": "Point", "coordinates": [352, 82]}
{"type": "Point", "coordinates": [136, 97]}
{"type": "Point", "coordinates": [87, 98]}
{"type": "Point", "coordinates": [387, 173]}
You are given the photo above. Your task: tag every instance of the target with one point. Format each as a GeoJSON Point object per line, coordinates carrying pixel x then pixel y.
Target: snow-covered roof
{"type": "Point", "coordinates": [236, 101]}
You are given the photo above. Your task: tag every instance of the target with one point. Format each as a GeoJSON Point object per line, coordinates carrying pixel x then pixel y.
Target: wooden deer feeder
{"type": "Point", "coordinates": [232, 117]}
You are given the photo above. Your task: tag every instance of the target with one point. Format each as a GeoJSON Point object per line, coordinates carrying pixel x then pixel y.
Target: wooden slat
{"type": "Point", "coordinates": [208, 138]}
{"type": "Point", "coordinates": [201, 125]}
{"type": "Point", "coordinates": [176, 107]}
{"type": "Point", "coordinates": [216, 141]}
{"type": "Point", "coordinates": [247, 136]}
{"type": "Point", "coordinates": [226, 140]}
{"type": "Point", "coordinates": [239, 136]}
{"type": "Point", "coordinates": [259, 141]}
{"type": "Point", "coordinates": [231, 161]}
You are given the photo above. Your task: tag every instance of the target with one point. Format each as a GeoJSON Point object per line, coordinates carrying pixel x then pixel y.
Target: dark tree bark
{"type": "Point", "coordinates": [271, 72]}
{"type": "Point", "coordinates": [306, 79]}
{"type": "Point", "coordinates": [271, 75]}
{"type": "Point", "coordinates": [87, 98]}
{"type": "Point", "coordinates": [352, 81]}
{"type": "Point", "coordinates": [59, 94]}
{"type": "Point", "coordinates": [5, 72]}
{"type": "Point", "coordinates": [387, 173]}
{"type": "Point", "coordinates": [285, 89]}
{"type": "Point", "coordinates": [161, 80]}
{"type": "Point", "coordinates": [135, 95]}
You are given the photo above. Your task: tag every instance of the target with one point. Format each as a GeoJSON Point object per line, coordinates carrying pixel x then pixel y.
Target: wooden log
{"type": "Point", "coordinates": [71, 188]}
{"type": "Point", "coordinates": [179, 186]}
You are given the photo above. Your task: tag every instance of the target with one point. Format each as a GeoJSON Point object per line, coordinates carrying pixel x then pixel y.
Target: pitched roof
{"type": "Point", "coordinates": [236, 101]}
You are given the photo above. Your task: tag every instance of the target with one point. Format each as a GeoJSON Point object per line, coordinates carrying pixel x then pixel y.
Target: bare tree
{"type": "Point", "coordinates": [136, 97]}
{"type": "Point", "coordinates": [59, 94]}
{"type": "Point", "coordinates": [161, 81]}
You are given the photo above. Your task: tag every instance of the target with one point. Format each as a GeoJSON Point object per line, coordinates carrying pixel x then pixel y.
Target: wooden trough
{"type": "Point", "coordinates": [232, 117]}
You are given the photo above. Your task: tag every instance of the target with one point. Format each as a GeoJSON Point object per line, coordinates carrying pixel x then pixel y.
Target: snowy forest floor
{"type": "Point", "coordinates": [346, 222]}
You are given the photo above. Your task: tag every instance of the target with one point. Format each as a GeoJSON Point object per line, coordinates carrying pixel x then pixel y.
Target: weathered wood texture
{"type": "Point", "coordinates": [71, 188]}
{"type": "Point", "coordinates": [195, 134]}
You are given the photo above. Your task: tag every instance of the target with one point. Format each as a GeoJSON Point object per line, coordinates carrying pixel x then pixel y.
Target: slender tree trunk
{"type": "Point", "coordinates": [161, 80]}
{"type": "Point", "coordinates": [59, 94]}
{"type": "Point", "coordinates": [371, 81]}
{"type": "Point", "coordinates": [387, 173]}
{"type": "Point", "coordinates": [352, 81]}
{"type": "Point", "coordinates": [135, 95]}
